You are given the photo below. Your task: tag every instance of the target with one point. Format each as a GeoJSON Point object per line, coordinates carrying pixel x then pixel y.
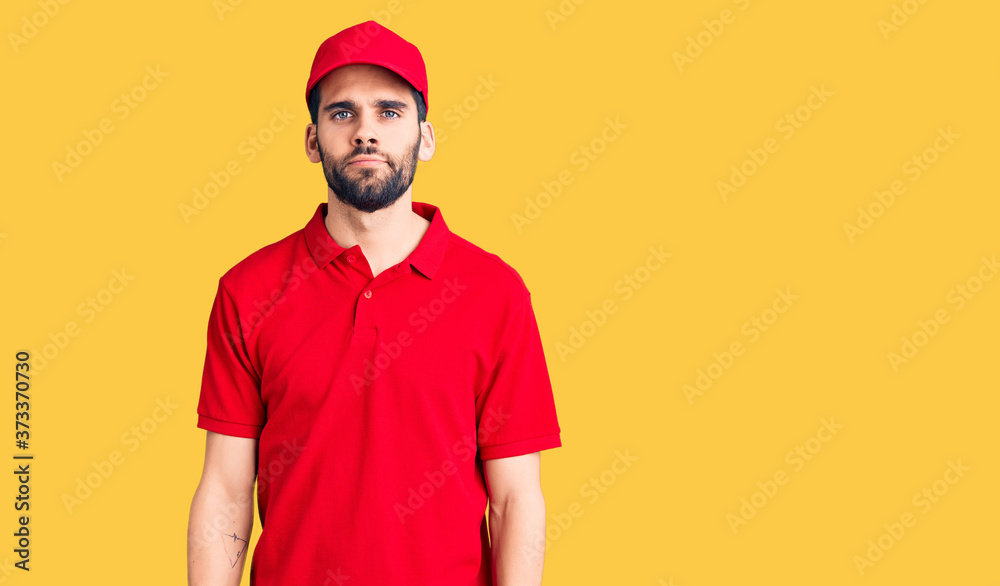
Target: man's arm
{"type": "Point", "coordinates": [222, 512]}
{"type": "Point", "coordinates": [517, 519]}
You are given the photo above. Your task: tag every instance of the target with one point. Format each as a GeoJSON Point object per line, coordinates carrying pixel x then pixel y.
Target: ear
{"type": "Point", "coordinates": [426, 141]}
{"type": "Point", "coordinates": [312, 147]}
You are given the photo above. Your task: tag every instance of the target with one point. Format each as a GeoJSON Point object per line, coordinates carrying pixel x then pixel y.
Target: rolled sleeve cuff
{"type": "Point", "coordinates": [519, 448]}
{"type": "Point", "coordinates": [228, 428]}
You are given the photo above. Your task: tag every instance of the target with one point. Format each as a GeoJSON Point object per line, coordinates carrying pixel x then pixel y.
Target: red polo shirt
{"type": "Point", "coordinates": [375, 401]}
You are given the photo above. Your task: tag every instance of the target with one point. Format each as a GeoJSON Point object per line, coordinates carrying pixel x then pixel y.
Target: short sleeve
{"type": "Point", "coordinates": [230, 401]}
{"type": "Point", "coordinates": [516, 410]}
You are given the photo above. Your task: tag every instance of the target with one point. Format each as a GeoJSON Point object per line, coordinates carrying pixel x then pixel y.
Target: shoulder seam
{"type": "Point", "coordinates": [268, 248]}
{"type": "Point", "coordinates": [459, 241]}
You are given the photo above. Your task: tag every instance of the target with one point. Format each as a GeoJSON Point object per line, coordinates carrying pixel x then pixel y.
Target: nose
{"type": "Point", "coordinates": [365, 132]}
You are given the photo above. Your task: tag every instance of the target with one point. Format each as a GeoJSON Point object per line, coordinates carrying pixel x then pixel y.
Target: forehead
{"type": "Point", "coordinates": [359, 79]}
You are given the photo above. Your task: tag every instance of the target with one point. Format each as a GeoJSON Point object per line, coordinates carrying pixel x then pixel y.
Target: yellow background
{"type": "Point", "coordinates": [663, 520]}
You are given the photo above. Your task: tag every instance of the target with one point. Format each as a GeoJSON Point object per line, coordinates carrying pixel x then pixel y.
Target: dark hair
{"type": "Point", "coordinates": [315, 98]}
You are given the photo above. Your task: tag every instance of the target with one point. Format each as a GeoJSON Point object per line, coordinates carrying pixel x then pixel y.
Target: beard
{"type": "Point", "coordinates": [373, 188]}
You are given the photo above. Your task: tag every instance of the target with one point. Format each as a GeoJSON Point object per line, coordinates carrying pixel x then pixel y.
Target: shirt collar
{"type": "Point", "coordinates": [426, 257]}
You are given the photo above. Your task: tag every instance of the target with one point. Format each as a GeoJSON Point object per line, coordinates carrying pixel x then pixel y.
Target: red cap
{"type": "Point", "coordinates": [372, 43]}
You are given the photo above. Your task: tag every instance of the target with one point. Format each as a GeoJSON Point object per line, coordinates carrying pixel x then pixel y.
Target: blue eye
{"type": "Point", "coordinates": [394, 114]}
{"type": "Point", "coordinates": [336, 114]}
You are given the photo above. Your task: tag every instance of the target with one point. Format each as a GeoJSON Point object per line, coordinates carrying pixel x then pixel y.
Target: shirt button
{"type": "Point", "coordinates": [368, 294]}
{"type": "Point", "coordinates": [350, 258]}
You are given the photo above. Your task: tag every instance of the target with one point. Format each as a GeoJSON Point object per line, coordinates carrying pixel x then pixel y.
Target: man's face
{"type": "Point", "coordinates": [367, 135]}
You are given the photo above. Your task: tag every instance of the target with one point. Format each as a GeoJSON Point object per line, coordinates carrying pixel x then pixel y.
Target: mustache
{"type": "Point", "coordinates": [369, 150]}
{"type": "Point", "coordinates": [361, 150]}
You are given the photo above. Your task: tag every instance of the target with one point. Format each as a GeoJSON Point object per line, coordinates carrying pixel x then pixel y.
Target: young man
{"type": "Point", "coordinates": [379, 376]}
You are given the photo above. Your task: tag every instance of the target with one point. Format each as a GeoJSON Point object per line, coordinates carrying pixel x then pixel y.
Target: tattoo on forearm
{"type": "Point", "coordinates": [235, 547]}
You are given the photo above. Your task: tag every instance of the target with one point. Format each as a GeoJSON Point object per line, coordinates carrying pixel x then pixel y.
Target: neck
{"type": "Point", "coordinates": [386, 236]}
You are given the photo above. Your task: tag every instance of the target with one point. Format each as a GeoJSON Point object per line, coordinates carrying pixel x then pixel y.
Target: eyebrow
{"type": "Point", "coordinates": [351, 105]}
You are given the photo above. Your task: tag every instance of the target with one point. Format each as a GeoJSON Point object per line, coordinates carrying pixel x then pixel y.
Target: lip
{"type": "Point", "coordinates": [366, 162]}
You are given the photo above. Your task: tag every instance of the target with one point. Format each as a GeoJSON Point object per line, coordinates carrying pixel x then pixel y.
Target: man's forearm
{"type": "Point", "coordinates": [517, 537]}
{"type": "Point", "coordinates": [218, 537]}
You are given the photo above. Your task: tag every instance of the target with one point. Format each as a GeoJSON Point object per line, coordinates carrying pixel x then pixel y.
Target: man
{"type": "Point", "coordinates": [378, 375]}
